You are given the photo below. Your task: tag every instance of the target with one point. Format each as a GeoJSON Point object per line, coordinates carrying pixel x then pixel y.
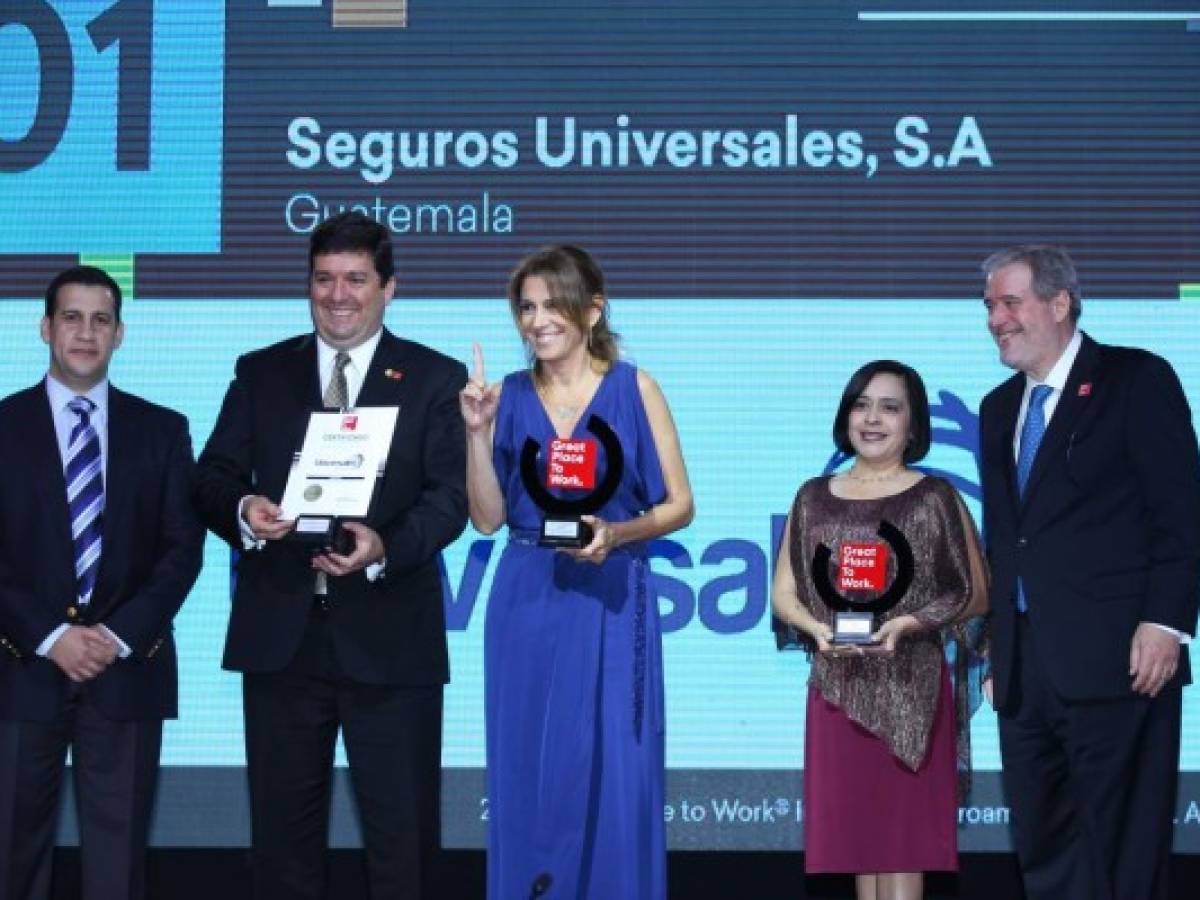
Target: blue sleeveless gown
{"type": "Point", "coordinates": [573, 668]}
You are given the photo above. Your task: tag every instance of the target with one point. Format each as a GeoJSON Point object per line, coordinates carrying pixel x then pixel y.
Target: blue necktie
{"type": "Point", "coordinates": [1032, 433]}
{"type": "Point", "coordinates": [85, 496]}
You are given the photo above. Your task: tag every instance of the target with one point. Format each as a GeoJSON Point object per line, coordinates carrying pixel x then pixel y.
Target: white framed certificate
{"type": "Point", "coordinates": [343, 453]}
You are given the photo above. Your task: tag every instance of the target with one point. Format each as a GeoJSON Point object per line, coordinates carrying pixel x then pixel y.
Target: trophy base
{"type": "Point", "coordinates": [853, 628]}
{"type": "Point", "coordinates": [324, 534]}
{"type": "Point", "coordinates": [565, 533]}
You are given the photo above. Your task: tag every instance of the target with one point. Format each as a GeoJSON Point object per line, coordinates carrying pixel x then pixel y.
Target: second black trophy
{"type": "Point", "coordinates": [863, 592]}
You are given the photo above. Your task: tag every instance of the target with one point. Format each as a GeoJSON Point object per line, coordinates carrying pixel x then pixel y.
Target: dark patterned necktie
{"type": "Point", "coordinates": [337, 394]}
{"type": "Point", "coordinates": [85, 496]}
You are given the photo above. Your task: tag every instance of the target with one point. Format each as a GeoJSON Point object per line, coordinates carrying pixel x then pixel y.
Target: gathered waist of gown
{"type": "Point", "coordinates": [529, 537]}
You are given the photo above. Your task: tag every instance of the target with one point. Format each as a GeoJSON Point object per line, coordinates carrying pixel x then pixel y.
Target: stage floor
{"type": "Point", "coordinates": [203, 874]}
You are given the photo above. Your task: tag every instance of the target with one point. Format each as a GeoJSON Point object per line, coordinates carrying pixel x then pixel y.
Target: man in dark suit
{"type": "Point", "coordinates": [99, 546]}
{"type": "Point", "coordinates": [326, 640]}
{"type": "Point", "coordinates": [1091, 508]}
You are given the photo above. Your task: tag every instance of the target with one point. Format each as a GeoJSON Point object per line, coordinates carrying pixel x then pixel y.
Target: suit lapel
{"type": "Point", "coordinates": [45, 468]}
{"type": "Point", "coordinates": [303, 378]}
{"type": "Point", "coordinates": [304, 375]}
{"type": "Point", "coordinates": [121, 465]}
{"type": "Point", "coordinates": [1075, 400]}
{"type": "Point", "coordinates": [120, 474]}
{"type": "Point", "coordinates": [122, 456]}
{"type": "Point", "coordinates": [1010, 407]}
{"type": "Point", "coordinates": [386, 382]}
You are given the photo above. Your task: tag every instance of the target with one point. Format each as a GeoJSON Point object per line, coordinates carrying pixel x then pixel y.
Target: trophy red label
{"type": "Point", "coordinates": [571, 464]}
{"type": "Point", "coordinates": [862, 567]}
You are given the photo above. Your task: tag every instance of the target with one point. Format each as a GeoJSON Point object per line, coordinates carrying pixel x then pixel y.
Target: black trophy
{"type": "Point", "coordinates": [562, 526]}
{"type": "Point", "coordinates": [855, 612]}
{"type": "Point", "coordinates": [324, 534]}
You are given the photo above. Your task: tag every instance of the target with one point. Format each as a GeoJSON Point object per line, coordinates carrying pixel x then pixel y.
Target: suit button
{"type": "Point", "coordinates": [72, 612]}
{"type": "Point", "coordinates": [1022, 542]}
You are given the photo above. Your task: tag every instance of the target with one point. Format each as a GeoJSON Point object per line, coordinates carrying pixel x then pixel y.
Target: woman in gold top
{"type": "Point", "coordinates": [880, 785]}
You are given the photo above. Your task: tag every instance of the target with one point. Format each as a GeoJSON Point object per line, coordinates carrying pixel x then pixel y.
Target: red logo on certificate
{"type": "Point", "coordinates": [862, 567]}
{"type": "Point", "coordinates": [572, 464]}
{"type": "Point", "coordinates": [349, 423]}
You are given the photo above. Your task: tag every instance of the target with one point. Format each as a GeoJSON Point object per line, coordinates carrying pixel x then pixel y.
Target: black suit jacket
{"type": "Point", "coordinates": [1108, 532]}
{"type": "Point", "coordinates": [152, 545]}
{"type": "Point", "coordinates": [390, 631]}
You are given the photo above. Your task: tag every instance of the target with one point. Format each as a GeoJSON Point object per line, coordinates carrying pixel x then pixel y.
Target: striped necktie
{"type": "Point", "coordinates": [85, 496]}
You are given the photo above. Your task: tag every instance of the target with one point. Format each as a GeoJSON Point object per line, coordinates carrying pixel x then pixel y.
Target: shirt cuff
{"type": "Point", "coordinates": [1182, 636]}
{"type": "Point", "coordinates": [249, 540]}
{"type": "Point", "coordinates": [123, 649]}
{"type": "Point", "coordinates": [43, 648]}
{"type": "Point", "coordinates": [375, 570]}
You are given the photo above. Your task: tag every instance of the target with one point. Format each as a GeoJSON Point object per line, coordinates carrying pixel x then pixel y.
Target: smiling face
{"type": "Point", "coordinates": [550, 335]}
{"type": "Point", "coordinates": [1030, 331]}
{"type": "Point", "coordinates": [347, 298]}
{"type": "Point", "coordinates": [82, 334]}
{"type": "Point", "coordinates": [879, 422]}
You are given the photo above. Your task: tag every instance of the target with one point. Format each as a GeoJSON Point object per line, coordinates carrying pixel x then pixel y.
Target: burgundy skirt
{"type": "Point", "coordinates": [864, 810]}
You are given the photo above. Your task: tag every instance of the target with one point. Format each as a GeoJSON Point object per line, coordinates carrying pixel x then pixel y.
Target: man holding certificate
{"type": "Point", "coordinates": [336, 468]}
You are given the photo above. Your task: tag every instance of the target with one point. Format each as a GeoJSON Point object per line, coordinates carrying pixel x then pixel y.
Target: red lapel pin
{"type": "Point", "coordinates": [1085, 389]}
{"type": "Point", "coordinates": [394, 374]}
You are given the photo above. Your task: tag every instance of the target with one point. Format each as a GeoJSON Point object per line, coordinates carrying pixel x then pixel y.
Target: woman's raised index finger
{"type": "Point", "coordinates": [479, 373]}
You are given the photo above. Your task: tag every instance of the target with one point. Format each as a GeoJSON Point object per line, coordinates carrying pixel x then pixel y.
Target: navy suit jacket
{"type": "Point", "coordinates": [1108, 532]}
{"type": "Point", "coordinates": [390, 631]}
{"type": "Point", "coordinates": [152, 547]}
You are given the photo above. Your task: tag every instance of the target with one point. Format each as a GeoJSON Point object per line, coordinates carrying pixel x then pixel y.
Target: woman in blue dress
{"type": "Point", "coordinates": [572, 650]}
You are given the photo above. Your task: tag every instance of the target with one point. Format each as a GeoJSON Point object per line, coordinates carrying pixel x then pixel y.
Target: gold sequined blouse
{"type": "Point", "coordinates": [895, 698]}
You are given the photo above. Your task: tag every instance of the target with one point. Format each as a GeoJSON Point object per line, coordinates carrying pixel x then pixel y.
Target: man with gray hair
{"type": "Point", "coordinates": [1091, 510]}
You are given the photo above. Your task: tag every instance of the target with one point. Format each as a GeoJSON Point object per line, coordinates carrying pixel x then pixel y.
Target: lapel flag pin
{"type": "Point", "coordinates": [394, 374]}
{"type": "Point", "coordinates": [1085, 389]}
